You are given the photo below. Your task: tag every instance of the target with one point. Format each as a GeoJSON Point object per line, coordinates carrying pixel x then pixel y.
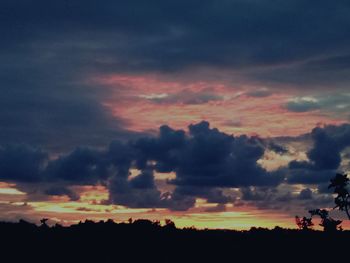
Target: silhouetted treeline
{"type": "Point", "coordinates": [150, 242]}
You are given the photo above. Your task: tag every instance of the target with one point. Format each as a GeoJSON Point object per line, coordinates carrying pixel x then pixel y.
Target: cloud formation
{"type": "Point", "coordinates": [205, 161]}
{"type": "Point", "coordinates": [269, 42]}
{"type": "Point", "coordinates": [55, 119]}
{"type": "Point", "coordinates": [50, 53]}
{"type": "Point", "coordinates": [324, 158]}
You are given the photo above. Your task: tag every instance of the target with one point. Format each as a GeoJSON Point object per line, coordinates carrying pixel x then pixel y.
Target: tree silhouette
{"type": "Point", "coordinates": [304, 223]}
{"type": "Point", "coordinates": [329, 224]}
{"type": "Point", "coordinates": [169, 224]}
{"type": "Point", "coordinates": [342, 200]}
{"type": "Point", "coordinates": [43, 222]}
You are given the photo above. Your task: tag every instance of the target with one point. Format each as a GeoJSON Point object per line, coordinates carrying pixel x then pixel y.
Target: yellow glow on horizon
{"type": "Point", "coordinates": [9, 189]}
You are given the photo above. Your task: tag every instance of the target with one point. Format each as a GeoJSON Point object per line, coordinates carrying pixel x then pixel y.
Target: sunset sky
{"type": "Point", "coordinates": [218, 114]}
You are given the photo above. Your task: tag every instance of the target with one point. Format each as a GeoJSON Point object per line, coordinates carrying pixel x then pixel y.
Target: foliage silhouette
{"type": "Point", "coordinates": [329, 224]}
{"type": "Point", "coordinates": [304, 223]}
{"type": "Point", "coordinates": [43, 222]}
{"type": "Point", "coordinates": [340, 183]}
{"type": "Point", "coordinates": [107, 241]}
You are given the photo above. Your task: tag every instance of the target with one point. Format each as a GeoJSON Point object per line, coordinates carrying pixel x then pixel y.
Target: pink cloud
{"type": "Point", "coordinates": [149, 101]}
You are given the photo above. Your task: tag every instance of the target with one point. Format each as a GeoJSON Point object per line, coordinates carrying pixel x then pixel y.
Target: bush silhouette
{"type": "Point", "coordinates": [303, 223]}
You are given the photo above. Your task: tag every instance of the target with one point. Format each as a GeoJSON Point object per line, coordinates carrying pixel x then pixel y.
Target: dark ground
{"type": "Point", "coordinates": [145, 241]}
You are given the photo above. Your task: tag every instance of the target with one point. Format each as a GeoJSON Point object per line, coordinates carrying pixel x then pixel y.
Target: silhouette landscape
{"type": "Point", "coordinates": [107, 241]}
{"type": "Point", "coordinates": [143, 239]}
{"type": "Point", "coordinates": [174, 131]}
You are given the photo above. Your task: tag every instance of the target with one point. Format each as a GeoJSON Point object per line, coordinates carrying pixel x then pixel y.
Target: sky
{"type": "Point", "coordinates": [216, 114]}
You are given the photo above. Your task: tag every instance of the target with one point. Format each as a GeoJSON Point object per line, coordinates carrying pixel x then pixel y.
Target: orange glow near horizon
{"type": "Point", "coordinates": [60, 210]}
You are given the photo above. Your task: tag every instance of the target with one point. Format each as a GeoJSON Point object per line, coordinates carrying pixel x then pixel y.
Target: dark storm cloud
{"type": "Point", "coordinates": [42, 104]}
{"type": "Point", "coordinates": [213, 158]}
{"type": "Point", "coordinates": [205, 161]}
{"type": "Point", "coordinates": [165, 149]}
{"type": "Point", "coordinates": [20, 163]}
{"type": "Point", "coordinates": [307, 175]}
{"type": "Point", "coordinates": [168, 35]}
{"type": "Point", "coordinates": [48, 50]}
{"type": "Point", "coordinates": [324, 158]}
{"type": "Point", "coordinates": [207, 157]}
{"type": "Point", "coordinates": [141, 192]}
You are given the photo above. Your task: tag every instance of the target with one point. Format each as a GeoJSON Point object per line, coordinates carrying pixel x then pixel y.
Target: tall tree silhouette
{"type": "Point", "coordinates": [340, 183]}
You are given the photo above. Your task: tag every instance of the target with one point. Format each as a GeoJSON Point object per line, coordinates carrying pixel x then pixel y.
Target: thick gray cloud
{"type": "Point", "coordinates": [206, 162]}
{"type": "Point", "coordinates": [43, 104]}
{"type": "Point", "coordinates": [48, 50]}
{"type": "Point", "coordinates": [21, 163]}
{"type": "Point", "coordinates": [291, 36]}
{"type": "Point", "coordinates": [324, 158]}
{"type": "Point", "coordinates": [213, 158]}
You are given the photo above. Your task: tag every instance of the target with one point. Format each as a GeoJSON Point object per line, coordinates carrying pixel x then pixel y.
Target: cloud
{"type": "Point", "coordinates": [324, 158]}
{"type": "Point", "coordinates": [277, 148]}
{"type": "Point", "coordinates": [79, 167]}
{"type": "Point", "coordinates": [134, 195]}
{"type": "Point", "coordinates": [303, 104]}
{"type": "Point", "coordinates": [285, 198]}
{"type": "Point", "coordinates": [216, 209]}
{"type": "Point", "coordinates": [305, 194]}
{"type": "Point", "coordinates": [141, 192]}
{"type": "Point", "coordinates": [259, 93]}
{"type": "Point", "coordinates": [307, 175]}
{"type": "Point", "coordinates": [61, 191]}
{"type": "Point", "coordinates": [205, 160]}
{"type": "Point", "coordinates": [21, 163]}
{"type": "Point", "coordinates": [206, 163]}
{"type": "Point", "coordinates": [175, 36]}
{"type": "Point", "coordinates": [207, 157]}
{"type": "Point", "coordinates": [222, 160]}
{"type": "Point", "coordinates": [49, 59]}
{"type": "Point", "coordinates": [42, 103]}
{"type": "Point", "coordinates": [336, 105]}
{"type": "Point", "coordinates": [212, 195]}
{"type": "Point", "coordinates": [185, 97]}
{"type": "Point", "coordinates": [256, 194]}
